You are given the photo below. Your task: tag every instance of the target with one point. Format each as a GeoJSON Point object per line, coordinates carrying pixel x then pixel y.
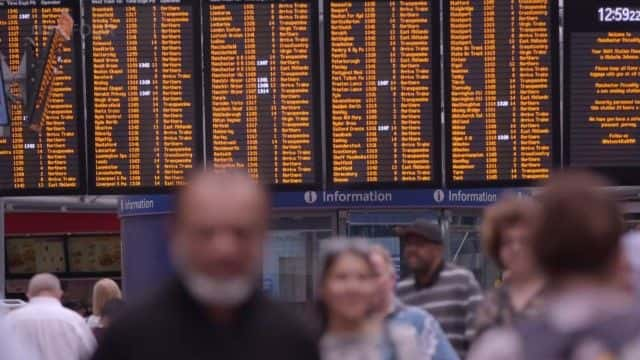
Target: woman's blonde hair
{"type": "Point", "coordinates": [103, 291]}
{"type": "Point", "coordinates": [508, 212]}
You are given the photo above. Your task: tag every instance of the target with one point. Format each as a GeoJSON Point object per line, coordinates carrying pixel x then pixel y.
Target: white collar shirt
{"type": "Point", "coordinates": [11, 347]}
{"type": "Point", "coordinates": [52, 331]}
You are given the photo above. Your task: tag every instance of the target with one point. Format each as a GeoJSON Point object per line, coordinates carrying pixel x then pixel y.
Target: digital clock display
{"type": "Point", "coordinates": [618, 14]}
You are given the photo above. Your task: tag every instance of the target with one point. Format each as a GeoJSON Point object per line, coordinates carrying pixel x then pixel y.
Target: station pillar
{"type": "Point", "coordinates": [144, 230]}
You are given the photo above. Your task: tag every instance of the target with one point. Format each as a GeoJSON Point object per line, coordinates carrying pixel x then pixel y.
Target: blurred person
{"type": "Point", "coordinates": [448, 292]}
{"type": "Point", "coordinates": [432, 342]}
{"type": "Point", "coordinates": [104, 290]}
{"type": "Point", "coordinates": [44, 325]}
{"type": "Point", "coordinates": [12, 347]}
{"type": "Point", "coordinates": [586, 314]}
{"type": "Point", "coordinates": [110, 312]}
{"type": "Point", "coordinates": [506, 233]}
{"type": "Point", "coordinates": [346, 302]}
{"type": "Point", "coordinates": [631, 270]}
{"type": "Point", "coordinates": [213, 308]}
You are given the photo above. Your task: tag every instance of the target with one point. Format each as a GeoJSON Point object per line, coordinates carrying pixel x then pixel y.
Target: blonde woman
{"type": "Point", "coordinates": [103, 291]}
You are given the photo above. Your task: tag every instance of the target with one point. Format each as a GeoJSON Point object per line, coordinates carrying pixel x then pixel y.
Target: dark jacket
{"type": "Point", "coordinates": [175, 326]}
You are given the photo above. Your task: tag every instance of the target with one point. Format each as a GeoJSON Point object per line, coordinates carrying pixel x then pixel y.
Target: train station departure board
{"type": "Point", "coordinates": [261, 89]}
{"type": "Point", "coordinates": [48, 161]}
{"type": "Point", "coordinates": [383, 103]}
{"type": "Point", "coordinates": [143, 65]}
{"type": "Point", "coordinates": [501, 91]}
{"type": "Point", "coordinates": [602, 88]}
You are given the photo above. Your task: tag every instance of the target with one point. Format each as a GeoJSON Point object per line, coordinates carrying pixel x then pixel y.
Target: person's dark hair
{"type": "Point", "coordinates": [580, 228]}
{"type": "Point", "coordinates": [508, 212]}
{"type": "Point", "coordinates": [331, 251]}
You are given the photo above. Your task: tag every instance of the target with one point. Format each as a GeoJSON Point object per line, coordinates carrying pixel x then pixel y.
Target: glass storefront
{"type": "Point", "coordinates": [291, 264]}
{"type": "Point", "coordinates": [290, 267]}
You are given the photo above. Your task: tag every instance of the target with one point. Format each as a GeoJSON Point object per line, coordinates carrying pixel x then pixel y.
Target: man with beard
{"type": "Point", "coordinates": [446, 291]}
{"type": "Point", "coordinates": [213, 309]}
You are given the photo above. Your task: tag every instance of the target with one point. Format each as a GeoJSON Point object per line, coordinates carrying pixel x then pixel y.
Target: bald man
{"type": "Point", "coordinates": [46, 327]}
{"type": "Point", "coordinates": [213, 309]}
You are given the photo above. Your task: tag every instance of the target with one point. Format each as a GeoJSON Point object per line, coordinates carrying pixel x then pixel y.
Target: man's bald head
{"type": "Point", "coordinates": [44, 285]}
{"type": "Point", "coordinates": [221, 223]}
{"type": "Point", "coordinates": [222, 185]}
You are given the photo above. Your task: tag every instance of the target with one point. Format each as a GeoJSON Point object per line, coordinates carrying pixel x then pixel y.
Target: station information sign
{"type": "Point", "coordinates": [602, 88]}
{"type": "Point", "coordinates": [261, 89]}
{"type": "Point", "coordinates": [501, 91]}
{"type": "Point", "coordinates": [49, 159]}
{"type": "Point", "coordinates": [144, 94]}
{"type": "Point", "coordinates": [383, 92]}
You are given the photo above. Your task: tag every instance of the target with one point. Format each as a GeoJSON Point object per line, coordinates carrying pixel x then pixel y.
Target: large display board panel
{"type": "Point", "coordinates": [262, 90]}
{"type": "Point", "coordinates": [51, 160]}
{"type": "Point", "coordinates": [383, 92]}
{"type": "Point", "coordinates": [602, 88]}
{"type": "Point", "coordinates": [144, 94]}
{"type": "Point", "coordinates": [501, 91]}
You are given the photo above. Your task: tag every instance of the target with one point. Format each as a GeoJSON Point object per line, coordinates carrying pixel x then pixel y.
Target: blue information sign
{"type": "Point", "coordinates": [342, 199]}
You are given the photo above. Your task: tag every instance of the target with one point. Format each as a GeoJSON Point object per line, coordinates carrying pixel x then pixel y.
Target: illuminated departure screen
{"type": "Point", "coordinates": [602, 88]}
{"type": "Point", "coordinates": [261, 96]}
{"type": "Point", "coordinates": [384, 112]}
{"type": "Point", "coordinates": [143, 88]}
{"type": "Point", "coordinates": [48, 161]}
{"type": "Point", "coordinates": [501, 91]}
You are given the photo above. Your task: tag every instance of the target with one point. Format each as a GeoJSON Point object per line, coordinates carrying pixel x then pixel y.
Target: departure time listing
{"type": "Point", "coordinates": [143, 92]}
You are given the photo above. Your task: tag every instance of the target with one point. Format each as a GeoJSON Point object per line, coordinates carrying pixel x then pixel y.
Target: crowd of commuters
{"type": "Point", "coordinates": [570, 280]}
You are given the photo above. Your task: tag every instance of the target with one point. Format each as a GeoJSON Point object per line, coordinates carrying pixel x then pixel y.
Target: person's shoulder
{"type": "Point", "coordinates": [404, 338]}
{"type": "Point", "coordinates": [147, 311]}
{"type": "Point", "coordinates": [282, 328]}
{"type": "Point", "coordinates": [451, 269]}
{"type": "Point", "coordinates": [402, 331]}
{"type": "Point", "coordinates": [459, 274]}
{"type": "Point", "coordinates": [408, 281]}
{"type": "Point", "coordinates": [406, 285]}
{"type": "Point", "coordinates": [416, 312]}
{"type": "Point", "coordinates": [15, 316]}
{"type": "Point", "coordinates": [71, 315]}
{"type": "Point", "coordinates": [497, 344]}
{"type": "Point", "coordinates": [28, 311]}
{"type": "Point", "coordinates": [284, 319]}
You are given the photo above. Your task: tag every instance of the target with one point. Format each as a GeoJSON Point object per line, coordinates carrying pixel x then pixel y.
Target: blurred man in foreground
{"type": "Point", "coordinates": [587, 314]}
{"type": "Point", "coordinates": [48, 329]}
{"type": "Point", "coordinates": [448, 292]}
{"type": "Point", "coordinates": [213, 309]}
{"type": "Point", "coordinates": [432, 342]}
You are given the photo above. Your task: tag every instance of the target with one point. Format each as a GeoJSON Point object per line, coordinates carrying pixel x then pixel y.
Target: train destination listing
{"type": "Point", "coordinates": [143, 93]}
{"type": "Point", "coordinates": [260, 91]}
{"type": "Point", "coordinates": [46, 158]}
{"type": "Point", "coordinates": [500, 89]}
{"type": "Point", "coordinates": [383, 91]}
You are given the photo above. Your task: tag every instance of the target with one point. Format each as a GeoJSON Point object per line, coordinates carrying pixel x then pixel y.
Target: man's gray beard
{"type": "Point", "coordinates": [218, 292]}
{"type": "Point", "coordinates": [229, 292]}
